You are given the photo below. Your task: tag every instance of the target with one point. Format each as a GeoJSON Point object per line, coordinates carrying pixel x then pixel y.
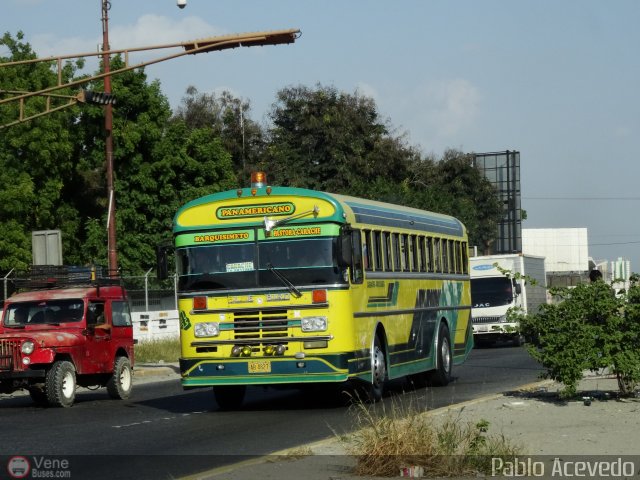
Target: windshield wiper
{"type": "Point", "coordinates": [285, 281]}
{"type": "Point", "coordinates": [271, 224]}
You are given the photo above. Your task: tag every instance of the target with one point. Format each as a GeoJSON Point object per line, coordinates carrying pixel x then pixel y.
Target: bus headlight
{"type": "Point", "coordinates": [206, 329]}
{"type": "Point", "coordinates": [314, 324]}
{"type": "Point", "coordinates": [27, 347]}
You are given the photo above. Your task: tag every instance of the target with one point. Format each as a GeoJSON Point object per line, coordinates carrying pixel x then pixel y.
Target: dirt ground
{"type": "Point", "coordinates": [596, 423]}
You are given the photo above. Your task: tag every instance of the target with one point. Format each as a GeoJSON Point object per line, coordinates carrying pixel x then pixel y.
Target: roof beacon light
{"type": "Point", "coordinates": [258, 179]}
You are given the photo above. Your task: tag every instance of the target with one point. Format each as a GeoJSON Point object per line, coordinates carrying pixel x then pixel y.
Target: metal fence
{"type": "Point", "coordinates": [146, 293]}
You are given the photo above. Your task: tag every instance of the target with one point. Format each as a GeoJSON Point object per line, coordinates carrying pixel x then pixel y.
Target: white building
{"type": "Point", "coordinates": [567, 261]}
{"type": "Point", "coordinates": [620, 273]}
{"type": "Point", "coordinates": [566, 252]}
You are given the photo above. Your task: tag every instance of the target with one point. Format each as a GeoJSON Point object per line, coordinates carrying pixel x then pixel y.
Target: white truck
{"type": "Point", "coordinates": [493, 293]}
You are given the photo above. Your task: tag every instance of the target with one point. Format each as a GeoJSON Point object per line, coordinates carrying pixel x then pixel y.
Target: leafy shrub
{"type": "Point", "coordinates": [589, 327]}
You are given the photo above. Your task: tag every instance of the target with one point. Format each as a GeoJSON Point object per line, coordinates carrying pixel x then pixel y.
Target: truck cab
{"type": "Point", "coordinates": [64, 332]}
{"type": "Point", "coordinates": [500, 283]}
{"type": "Point", "coordinates": [492, 297]}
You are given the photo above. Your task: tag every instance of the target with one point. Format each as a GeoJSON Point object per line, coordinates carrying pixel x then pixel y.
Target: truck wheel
{"type": "Point", "coordinates": [38, 396]}
{"type": "Point", "coordinates": [121, 382]}
{"type": "Point", "coordinates": [60, 385]}
{"type": "Point", "coordinates": [229, 397]}
{"type": "Point", "coordinates": [441, 376]}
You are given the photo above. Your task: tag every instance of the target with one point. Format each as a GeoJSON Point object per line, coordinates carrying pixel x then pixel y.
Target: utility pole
{"type": "Point", "coordinates": [108, 142]}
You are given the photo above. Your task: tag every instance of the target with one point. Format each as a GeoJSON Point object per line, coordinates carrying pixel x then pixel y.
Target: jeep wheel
{"type": "Point", "coordinates": [38, 396]}
{"type": "Point", "coordinates": [120, 384]}
{"type": "Point", "coordinates": [60, 387]}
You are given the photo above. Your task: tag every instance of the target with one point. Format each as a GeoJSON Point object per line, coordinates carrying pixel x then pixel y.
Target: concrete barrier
{"type": "Point", "coordinates": [155, 325]}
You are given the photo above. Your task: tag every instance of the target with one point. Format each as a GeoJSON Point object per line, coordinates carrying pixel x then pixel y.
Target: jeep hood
{"type": "Point", "coordinates": [46, 338]}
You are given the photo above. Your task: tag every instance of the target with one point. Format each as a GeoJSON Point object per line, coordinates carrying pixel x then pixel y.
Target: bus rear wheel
{"type": "Point", "coordinates": [441, 376]}
{"type": "Point", "coordinates": [229, 397]}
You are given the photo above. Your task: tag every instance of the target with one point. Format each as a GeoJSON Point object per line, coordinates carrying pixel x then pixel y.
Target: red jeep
{"type": "Point", "coordinates": [75, 332]}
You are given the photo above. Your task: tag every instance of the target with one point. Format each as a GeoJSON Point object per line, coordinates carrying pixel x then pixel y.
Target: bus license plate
{"type": "Point", "coordinates": [262, 366]}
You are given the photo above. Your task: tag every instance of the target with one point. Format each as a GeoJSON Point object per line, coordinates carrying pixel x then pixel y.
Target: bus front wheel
{"type": "Point", "coordinates": [378, 371]}
{"type": "Point", "coordinates": [229, 397]}
{"type": "Point", "coordinates": [441, 376]}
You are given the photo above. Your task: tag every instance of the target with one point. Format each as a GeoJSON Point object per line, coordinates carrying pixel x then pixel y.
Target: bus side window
{"type": "Point", "coordinates": [357, 274]}
{"type": "Point", "coordinates": [404, 252]}
{"type": "Point", "coordinates": [465, 258]}
{"type": "Point", "coordinates": [367, 250]}
{"type": "Point", "coordinates": [415, 253]}
{"type": "Point", "coordinates": [397, 259]}
{"type": "Point", "coordinates": [423, 254]}
{"type": "Point", "coordinates": [444, 244]}
{"type": "Point", "coordinates": [387, 252]}
{"type": "Point", "coordinates": [436, 255]}
{"type": "Point", "coordinates": [452, 253]}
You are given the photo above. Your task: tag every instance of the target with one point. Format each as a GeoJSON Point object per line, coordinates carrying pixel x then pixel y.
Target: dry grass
{"type": "Point", "coordinates": [153, 351]}
{"type": "Point", "coordinates": [293, 454]}
{"type": "Point", "coordinates": [390, 440]}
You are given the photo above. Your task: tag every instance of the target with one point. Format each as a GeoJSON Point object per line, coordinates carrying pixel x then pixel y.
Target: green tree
{"type": "Point", "coordinates": [54, 167]}
{"type": "Point", "coordinates": [329, 140]}
{"type": "Point", "coordinates": [228, 118]}
{"type": "Point", "coordinates": [35, 157]}
{"type": "Point", "coordinates": [159, 164]}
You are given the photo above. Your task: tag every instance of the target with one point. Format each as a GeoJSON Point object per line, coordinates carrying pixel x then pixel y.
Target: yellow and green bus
{"type": "Point", "coordinates": [280, 285]}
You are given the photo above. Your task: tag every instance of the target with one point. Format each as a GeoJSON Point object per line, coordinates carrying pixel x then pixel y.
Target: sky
{"type": "Point", "coordinates": [556, 80]}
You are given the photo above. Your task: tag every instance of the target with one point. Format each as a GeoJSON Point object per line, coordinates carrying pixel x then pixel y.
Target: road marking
{"type": "Point", "coordinates": [144, 422]}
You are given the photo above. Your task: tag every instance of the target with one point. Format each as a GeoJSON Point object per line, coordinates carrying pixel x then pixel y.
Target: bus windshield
{"type": "Point", "coordinates": [250, 265]}
{"type": "Point", "coordinates": [491, 292]}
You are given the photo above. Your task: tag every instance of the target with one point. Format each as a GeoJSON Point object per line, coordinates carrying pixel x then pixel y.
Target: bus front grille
{"type": "Point", "coordinates": [260, 325]}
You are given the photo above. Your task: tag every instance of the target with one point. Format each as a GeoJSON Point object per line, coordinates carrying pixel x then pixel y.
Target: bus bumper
{"type": "Point", "coordinates": [261, 371]}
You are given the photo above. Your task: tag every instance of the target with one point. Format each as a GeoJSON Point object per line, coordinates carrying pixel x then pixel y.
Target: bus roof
{"type": "Point", "coordinates": [241, 208]}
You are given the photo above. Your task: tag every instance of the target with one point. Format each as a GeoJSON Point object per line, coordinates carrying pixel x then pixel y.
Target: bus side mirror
{"type": "Point", "coordinates": [162, 267]}
{"type": "Point", "coordinates": [345, 255]}
{"type": "Point", "coordinates": [517, 287]}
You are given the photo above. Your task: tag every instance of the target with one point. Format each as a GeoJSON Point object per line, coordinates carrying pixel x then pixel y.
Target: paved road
{"type": "Point", "coordinates": [187, 433]}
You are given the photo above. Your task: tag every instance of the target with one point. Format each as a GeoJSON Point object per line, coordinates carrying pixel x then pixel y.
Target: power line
{"type": "Point", "coordinates": [615, 243]}
{"type": "Point", "coordinates": [582, 198]}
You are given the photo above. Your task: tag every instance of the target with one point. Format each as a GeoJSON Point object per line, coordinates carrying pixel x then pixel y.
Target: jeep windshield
{"type": "Point", "coordinates": [491, 292]}
{"type": "Point", "coordinates": [259, 265]}
{"type": "Point", "coordinates": [43, 312]}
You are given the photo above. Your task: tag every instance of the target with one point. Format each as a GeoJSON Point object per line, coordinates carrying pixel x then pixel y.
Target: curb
{"type": "Point", "coordinates": [160, 370]}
